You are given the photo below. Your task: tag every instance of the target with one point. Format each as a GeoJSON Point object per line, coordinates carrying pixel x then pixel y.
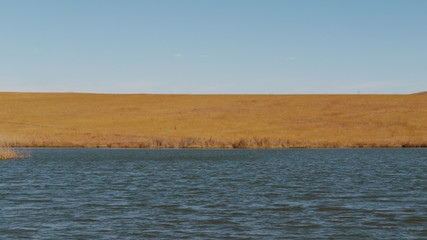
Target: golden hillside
{"type": "Point", "coordinates": [144, 120]}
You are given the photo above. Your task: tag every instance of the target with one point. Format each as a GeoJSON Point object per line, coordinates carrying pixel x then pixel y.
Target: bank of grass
{"type": "Point", "coordinates": [155, 143]}
{"type": "Point", "coordinates": [212, 121]}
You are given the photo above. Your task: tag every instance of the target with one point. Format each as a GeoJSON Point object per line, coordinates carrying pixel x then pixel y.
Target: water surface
{"type": "Point", "coordinates": [215, 194]}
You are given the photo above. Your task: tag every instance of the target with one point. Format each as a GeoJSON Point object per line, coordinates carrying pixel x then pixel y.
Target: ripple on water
{"type": "Point", "coordinates": [215, 194]}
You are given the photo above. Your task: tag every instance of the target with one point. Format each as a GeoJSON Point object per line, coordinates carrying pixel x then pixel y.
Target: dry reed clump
{"type": "Point", "coordinates": [9, 153]}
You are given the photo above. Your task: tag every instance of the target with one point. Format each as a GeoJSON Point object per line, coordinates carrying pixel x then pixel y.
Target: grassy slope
{"type": "Point", "coordinates": [100, 120]}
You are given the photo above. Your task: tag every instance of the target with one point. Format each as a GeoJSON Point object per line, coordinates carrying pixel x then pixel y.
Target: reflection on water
{"type": "Point", "coordinates": [215, 194]}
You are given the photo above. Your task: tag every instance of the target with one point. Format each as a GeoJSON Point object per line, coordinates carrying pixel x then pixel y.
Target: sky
{"type": "Point", "coordinates": [214, 46]}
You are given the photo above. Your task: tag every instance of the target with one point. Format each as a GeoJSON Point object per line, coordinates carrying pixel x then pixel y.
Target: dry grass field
{"type": "Point", "coordinates": [212, 121]}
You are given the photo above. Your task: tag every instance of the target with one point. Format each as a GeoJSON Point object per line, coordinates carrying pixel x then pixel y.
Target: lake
{"type": "Point", "coordinates": [215, 194]}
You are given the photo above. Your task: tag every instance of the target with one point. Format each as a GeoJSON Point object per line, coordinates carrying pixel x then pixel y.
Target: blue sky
{"type": "Point", "coordinates": [214, 46]}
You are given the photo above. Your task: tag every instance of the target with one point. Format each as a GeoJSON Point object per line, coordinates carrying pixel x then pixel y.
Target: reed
{"type": "Point", "coordinates": [157, 142]}
{"type": "Point", "coordinates": [9, 153]}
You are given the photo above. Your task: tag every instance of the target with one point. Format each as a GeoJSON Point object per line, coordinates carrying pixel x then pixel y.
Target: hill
{"type": "Point", "coordinates": [421, 93]}
{"type": "Point", "coordinates": [212, 121]}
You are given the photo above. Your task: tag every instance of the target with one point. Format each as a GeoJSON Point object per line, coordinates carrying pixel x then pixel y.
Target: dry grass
{"type": "Point", "coordinates": [212, 121]}
{"type": "Point", "coordinates": [9, 153]}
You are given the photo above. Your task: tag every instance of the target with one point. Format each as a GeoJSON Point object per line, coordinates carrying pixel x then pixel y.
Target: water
{"type": "Point", "coordinates": [215, 194]}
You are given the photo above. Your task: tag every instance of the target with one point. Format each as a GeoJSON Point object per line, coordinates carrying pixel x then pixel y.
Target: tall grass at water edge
{"type": "Point", "coordinates": [9, 153]}
{"type": "Point", "coordinates": [208, 143]}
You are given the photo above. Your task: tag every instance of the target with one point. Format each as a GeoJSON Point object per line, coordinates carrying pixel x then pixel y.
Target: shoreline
{"type": "Point", "coordinates": [228, 146]}
{"type": "Point", "coordinates": [130, 148]}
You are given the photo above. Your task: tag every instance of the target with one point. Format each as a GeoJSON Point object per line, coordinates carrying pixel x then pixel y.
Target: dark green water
{"type": "Point", "coordinates": [215, 194]}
